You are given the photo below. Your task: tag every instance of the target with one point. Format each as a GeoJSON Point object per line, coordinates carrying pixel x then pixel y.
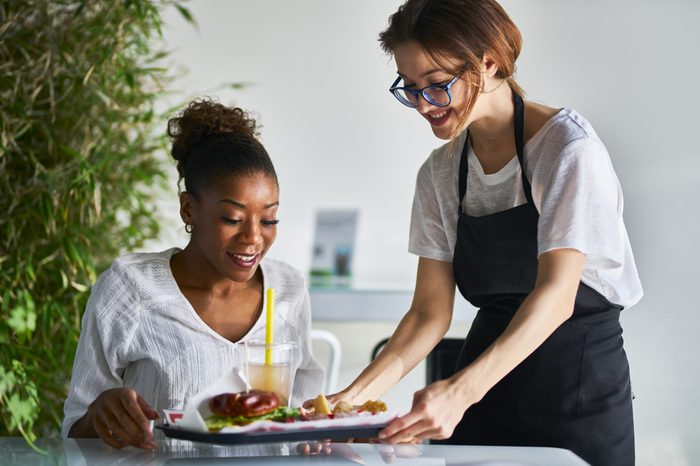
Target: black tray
{"type": "Point", "coordinates": [332, 433]}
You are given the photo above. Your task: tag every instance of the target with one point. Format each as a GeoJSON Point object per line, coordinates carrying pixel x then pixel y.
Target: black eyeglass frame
{"type": "Point", "coordinates": [396, 91]}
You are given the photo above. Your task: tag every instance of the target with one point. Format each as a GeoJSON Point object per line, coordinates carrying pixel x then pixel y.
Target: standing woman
{"type": "Point", "coordinates": [522, 211]}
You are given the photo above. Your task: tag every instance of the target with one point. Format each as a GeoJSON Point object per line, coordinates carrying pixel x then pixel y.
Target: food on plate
{"type": "Point", "coordinates": [320, 405]}
{"type": "Point", "coordinates": [242, 408]}
{"type": "Point", "coordinates": [373, 406]}
{"type": "Point", "coordinates": [321, 408]}
{"type": "Point", "coordinates": [237, 409]}
{"type": "Point", "coordinates": [343, 407]}
{"type": "Point", "coordinates": [252, 403]}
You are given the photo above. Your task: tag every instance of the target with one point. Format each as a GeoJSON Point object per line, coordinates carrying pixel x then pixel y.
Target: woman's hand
{"type": "Point", "coordinates": [332, 399]}
{"type": "Point", "coordinates": [335, 398]}
{"type": "Point", "coordinates": [436, 411]}
{"type": "Point", "coordinates": [121, 417]}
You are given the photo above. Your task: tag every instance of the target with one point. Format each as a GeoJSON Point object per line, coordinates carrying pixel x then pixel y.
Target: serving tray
{"type": "Point", "coordinates": [274, 436]}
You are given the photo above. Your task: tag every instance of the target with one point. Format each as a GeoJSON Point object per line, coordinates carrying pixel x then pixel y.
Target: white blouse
{"type": "Point", "coordinates": [140, 331]}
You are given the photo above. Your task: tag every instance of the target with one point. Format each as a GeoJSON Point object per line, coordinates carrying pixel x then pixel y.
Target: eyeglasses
{"type": "Point", "coordinates": [435, 94]}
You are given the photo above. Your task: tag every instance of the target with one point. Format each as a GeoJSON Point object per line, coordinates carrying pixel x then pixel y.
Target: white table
{"type": "Point", "coordinates": [92, 452]}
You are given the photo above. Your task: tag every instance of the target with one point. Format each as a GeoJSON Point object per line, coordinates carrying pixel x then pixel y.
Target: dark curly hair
{"type": "Point", "coordinates": [211, 141]}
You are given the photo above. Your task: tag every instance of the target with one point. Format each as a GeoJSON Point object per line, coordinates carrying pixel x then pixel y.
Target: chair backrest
{"type": "Point", "coordinates": [442, 360]}
{"type": "Point", "coordinates": [377, 348]}
{"type": "Point", "coordinates": [334, 354]}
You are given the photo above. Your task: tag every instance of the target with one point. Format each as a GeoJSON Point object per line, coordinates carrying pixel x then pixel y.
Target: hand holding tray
{"type": "Point", "coordinates": [366, 426]}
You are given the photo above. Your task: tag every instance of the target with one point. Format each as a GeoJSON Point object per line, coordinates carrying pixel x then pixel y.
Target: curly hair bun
{"type": "Point", "coordinates": [203, 119]}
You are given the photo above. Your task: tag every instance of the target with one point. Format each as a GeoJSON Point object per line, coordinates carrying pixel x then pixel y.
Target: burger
{"type": "Point", "coordinates": [238, 409]}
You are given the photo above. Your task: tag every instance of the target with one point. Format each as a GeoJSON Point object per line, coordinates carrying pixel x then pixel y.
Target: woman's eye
{"type": "Point", "coordinates": [270, 222]}
{"type": "Point", "coordinates": [231, 221]}
{"type": "Point", "coordinates": [441, 83]}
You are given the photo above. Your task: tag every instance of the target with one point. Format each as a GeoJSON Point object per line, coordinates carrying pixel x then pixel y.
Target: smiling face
{"type": "Point", "coordinates": [234, 224]}
{"type": "Point", "coordinates": [418, 69]}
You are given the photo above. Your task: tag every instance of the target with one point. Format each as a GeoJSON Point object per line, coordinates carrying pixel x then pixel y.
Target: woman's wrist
{"type": "Point", "coordinates": [468, 386]}
{"type": "Point", "coordinates": [349, 394]}
{"type": "Point", "coordinates": [82, 427]}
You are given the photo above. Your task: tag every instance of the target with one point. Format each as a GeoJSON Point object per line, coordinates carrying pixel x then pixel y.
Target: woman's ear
{"type": "Point", "coordinates": [489, 67]}
{"type": "Point", "coordinates": [187, 208]}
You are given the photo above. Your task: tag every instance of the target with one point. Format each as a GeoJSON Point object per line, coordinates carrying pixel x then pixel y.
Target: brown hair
{"type": "Point", "coordinates": [461, 29]}
{"type": "Point", "coordinates": [211, 141]}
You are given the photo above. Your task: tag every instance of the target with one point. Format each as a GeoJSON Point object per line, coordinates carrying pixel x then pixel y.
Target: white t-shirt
{"type": "Point", "coordinates": [140, 331]}
{"type": "Point", "coordinates": [575, 190]}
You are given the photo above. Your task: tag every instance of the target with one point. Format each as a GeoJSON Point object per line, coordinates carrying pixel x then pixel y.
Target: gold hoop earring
{"type": "Point", "coordinates": [189, 228]}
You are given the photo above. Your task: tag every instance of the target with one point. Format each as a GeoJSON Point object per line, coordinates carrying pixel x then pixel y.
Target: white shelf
{"type": "Point", "coordinates": [351, 304]}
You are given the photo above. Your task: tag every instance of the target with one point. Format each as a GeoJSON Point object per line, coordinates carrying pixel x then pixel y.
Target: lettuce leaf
{"type": "Point", "coordinates": [281, 414]}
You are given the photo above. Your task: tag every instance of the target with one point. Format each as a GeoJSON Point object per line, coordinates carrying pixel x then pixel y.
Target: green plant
{"type": "Point", "coordinates": [80, 159]}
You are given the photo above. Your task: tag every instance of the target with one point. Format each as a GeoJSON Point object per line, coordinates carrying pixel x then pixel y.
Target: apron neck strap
{"type": "Point", "coordinates": [519, 124]}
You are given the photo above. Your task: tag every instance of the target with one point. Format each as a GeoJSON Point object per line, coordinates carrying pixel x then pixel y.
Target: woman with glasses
{"type": "Point", "coordinates": [522, 211]}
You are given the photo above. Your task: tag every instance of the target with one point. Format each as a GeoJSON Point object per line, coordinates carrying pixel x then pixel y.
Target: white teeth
{"type": "Point", "coordinates": [245, 258]}
{"type": "Point", "coordinates": [439, 115]}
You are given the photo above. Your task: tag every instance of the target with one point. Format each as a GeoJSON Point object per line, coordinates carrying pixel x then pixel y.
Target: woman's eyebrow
{"type": "Point", "coordinates": [235, 203]}
{"type": "Point", "coordinates": [429, 72]}
{"type": "Point", "coordinates": [243, 206]}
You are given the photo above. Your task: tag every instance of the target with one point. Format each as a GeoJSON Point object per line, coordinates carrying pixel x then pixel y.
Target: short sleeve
{"type": "Point", "coordinates": [100, 357]}
{"type": "Point", "coordinates": [581, 205]}
{"type": "Point", "coordinates": [427, 236]}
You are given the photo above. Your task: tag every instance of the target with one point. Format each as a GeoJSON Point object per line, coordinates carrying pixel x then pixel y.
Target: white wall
{"type": "Point", "coordinates": [319, 84]}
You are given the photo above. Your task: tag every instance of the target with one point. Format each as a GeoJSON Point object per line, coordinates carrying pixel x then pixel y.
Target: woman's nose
{"type": "Point", "coordinates": [424, 106]}
{"type": "Point", "coordinates": [251, 233]}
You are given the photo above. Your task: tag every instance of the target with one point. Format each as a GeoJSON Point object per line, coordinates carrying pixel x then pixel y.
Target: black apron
{"type": "Point", "coordinates": [573, 391]}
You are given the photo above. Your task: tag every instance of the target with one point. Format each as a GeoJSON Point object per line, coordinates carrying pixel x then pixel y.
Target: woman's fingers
{"type": "Point", "coordinates": [387, 453]}
{"type": "Point", "coordinates": [419, 430]}
{"type": "Point", "coordinates": [398, 426]}
{"type": "Point", "coordinates": [323, 447]}
{"type": "Point", "coordinates": [310, 448]}
{"type": "Point", "coordinates": [307, 404]}
{"type": "Point", "coordinates": [436, 411]}
{"type": "Point", "coordinates": [123, 428]}
{"type": "Point", "coordinates": [121, 417]}
{"type": "Point", "coordinates": [131, 406]}
{"type": "Point", "coordinates": [106, 435]}
{"type": "Point", "coordinates": [411, 428]}
{"type": "Point", "coordinates": [150, 413]}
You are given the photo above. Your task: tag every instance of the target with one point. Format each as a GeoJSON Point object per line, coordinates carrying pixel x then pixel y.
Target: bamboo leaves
{"type": "Point", "coordinates": [79, 166]}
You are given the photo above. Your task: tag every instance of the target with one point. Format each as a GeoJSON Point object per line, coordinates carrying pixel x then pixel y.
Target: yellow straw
{"type": "Point", "coordinates": [269, 311]}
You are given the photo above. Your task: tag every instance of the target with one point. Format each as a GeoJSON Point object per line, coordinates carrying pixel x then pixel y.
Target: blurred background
{"type": "Point", "coordinates": [314, 75]}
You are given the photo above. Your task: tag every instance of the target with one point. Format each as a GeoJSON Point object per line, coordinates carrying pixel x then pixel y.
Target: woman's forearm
{"type": "Point", "coordinates": [538, 317]}
{"type": "Point", "coordinates": [414, 338]}
{"type": "Point", "coordinates": [416, 335]}
{"type": "Point", "coordinates": [541, 313]}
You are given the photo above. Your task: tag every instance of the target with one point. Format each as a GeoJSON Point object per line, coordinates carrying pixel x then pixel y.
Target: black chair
{"type": "Point", "coordinates": [441, 361]}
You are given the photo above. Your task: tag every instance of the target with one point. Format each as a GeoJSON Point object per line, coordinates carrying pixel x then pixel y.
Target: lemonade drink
{"type": "Point", "coordinates": [273, 378]}
{"type": "Point", "coordinates": [273, 374]}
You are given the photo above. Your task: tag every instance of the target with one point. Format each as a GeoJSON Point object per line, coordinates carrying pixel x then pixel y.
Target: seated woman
{"type": "Point", "coordinates": [160, 327]}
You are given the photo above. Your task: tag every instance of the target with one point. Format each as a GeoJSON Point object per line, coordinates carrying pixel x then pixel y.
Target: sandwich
{"type": "Point", "coordinates": [239, 409]}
